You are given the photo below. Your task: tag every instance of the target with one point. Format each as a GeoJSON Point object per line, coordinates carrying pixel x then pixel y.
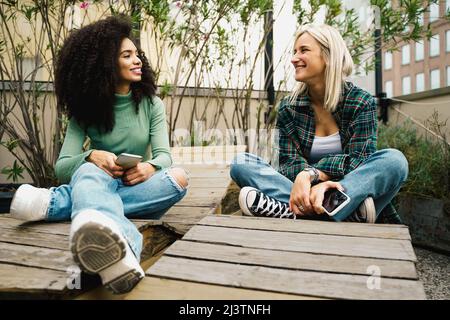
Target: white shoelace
{"type": "Point", "coordinates": [269, 206]}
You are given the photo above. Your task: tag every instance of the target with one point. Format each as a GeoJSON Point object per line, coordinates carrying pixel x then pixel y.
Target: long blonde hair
{"type": "Point", "coordinates": [339, 63]}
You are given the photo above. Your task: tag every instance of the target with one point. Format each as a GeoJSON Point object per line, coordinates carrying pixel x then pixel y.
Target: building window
{"type": "Point", "coordinates": [448, 76]}
{"type": "Point", "coordinates": [405, 54]}
{"type": "Point", "coordinates": [387, 60]}
{"type": "Point", "coordinates": [419, 50]}
{"type": "Point", "coordinates": [434, 12]}
{"type": "Point", "coordinates": [420, 82]}
{"type": "Point", "coordinates": [447, 40]}
{"type": "Point", "coordinates": [434, 46]}
{"type": "Point", "coordinates": [406, 85]}
{"type": "Point", "coordinates": [435, 79]}
{"type": "Point", "coordinates": [447, 6]}
{"type": "Point", "coordinates": [388, 89]}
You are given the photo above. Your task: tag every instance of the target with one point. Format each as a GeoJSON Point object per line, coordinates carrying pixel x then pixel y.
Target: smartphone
{"type": "Point", "coordinates": [334, 201]}
{"type": "Point", "coordinates": [127, 161]}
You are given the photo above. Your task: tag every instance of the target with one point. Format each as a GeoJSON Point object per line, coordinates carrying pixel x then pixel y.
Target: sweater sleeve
{"type": "Point", "coordinates": [71, 156]}
{"type": "Point", "coordinates": [159, 138]}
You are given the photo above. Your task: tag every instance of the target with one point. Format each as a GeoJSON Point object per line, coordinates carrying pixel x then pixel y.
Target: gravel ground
{"type": "Point", "coordinates": [434, 272]}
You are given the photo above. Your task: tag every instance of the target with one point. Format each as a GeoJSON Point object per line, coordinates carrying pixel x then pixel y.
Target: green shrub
{"type": "Point", "coordinates": [429, 160]}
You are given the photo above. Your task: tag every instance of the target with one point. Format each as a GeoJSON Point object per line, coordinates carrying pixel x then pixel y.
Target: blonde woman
{"type": "Point", "coordinates": [327, 140]}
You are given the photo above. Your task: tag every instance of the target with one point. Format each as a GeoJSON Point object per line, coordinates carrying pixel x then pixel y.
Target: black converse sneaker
{"type": "Point", "coordinates": [255, 203]}
{"type": "Point", "coordinates": [365, 213]}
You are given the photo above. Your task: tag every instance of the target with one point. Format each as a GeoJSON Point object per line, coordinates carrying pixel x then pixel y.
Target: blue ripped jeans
{"type": "Point", "coordinates": [91, 188]}
{"type": "Point", "coordinates": [380, 176]}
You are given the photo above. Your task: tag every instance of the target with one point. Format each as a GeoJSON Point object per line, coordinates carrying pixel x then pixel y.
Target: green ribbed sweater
{"type": "Point", "coordinates": [143, 133]}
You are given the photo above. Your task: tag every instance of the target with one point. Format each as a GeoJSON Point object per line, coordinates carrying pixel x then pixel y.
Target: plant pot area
{"type": "Point", "coordinates": [428, 222]}
{"type": "Point", "coordinates": [6, 194]}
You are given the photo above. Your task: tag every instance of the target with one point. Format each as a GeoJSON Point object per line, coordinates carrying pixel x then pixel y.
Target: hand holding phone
{"type": "Point", "coordinates": [334, 200]}
{"type": "Point", "coordinates": [127, 161]}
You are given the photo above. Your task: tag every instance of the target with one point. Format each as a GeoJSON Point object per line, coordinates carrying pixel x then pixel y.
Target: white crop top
{"type": "Point", "coordinates": [323, 146]}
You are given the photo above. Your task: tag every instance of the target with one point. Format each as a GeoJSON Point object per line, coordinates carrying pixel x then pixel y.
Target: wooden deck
{"type": "Point", "coordinates": [196, 253]}
{"type": "Point", "coordinates": [227, 257]}
{"type": "Point", "coordinates": [35, 259]}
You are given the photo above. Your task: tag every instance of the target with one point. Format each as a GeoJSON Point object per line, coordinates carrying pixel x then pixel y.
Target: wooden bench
{"type": "Point", "coordinates": [194, 253]}
{"type": "Point", "coordinates": [228, 257]}
{"type": "Point", "coordinates": [35, 260]}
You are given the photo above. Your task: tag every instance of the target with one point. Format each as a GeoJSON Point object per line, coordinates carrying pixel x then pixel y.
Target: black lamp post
{"type": "Point", "coordinates": [383, 102]}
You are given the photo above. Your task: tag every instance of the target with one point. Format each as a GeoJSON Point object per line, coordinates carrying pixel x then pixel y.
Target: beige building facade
{"type": "Point", "coordinates": [424, 65]}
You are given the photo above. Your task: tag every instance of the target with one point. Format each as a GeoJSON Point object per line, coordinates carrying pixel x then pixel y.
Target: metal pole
{"type": "Point", "coordinates": [381, 96]}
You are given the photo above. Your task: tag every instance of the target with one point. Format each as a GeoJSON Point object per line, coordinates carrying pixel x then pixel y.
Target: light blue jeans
{"type": "Point", "coordinates": [380, 176]}
{"type": "Point", "coordinates": [91, 188]}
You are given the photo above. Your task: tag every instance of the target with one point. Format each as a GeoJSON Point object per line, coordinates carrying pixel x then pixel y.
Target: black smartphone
{"type": "Point", "coordinates": [127, 161]}
{"type": "Point", "coordinates": [334, 200]}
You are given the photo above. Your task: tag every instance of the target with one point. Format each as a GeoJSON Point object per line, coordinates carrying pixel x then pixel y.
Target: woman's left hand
{"type": "Point", "coordinates": [140, 173]}
{"type": "Point", "coordinates": [318, 192]}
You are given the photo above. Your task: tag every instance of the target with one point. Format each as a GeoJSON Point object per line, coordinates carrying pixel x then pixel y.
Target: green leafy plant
{"type": "Point", "coordinates": [14, 172]}
{"type": "Point", "coordinates": [428, 159]}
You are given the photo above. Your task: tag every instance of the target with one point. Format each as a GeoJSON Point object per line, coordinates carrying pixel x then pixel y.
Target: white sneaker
{"type": "Point", "coordinates": [255, 203]}
{"type": "Point", "coordinates": [124, 275]}
{"type": "Point", "coordinates": [30, 203]}
{"type": "Point", "coordinates": [98, 246]}
{"type": "Point", "coordinates": [366, 212]}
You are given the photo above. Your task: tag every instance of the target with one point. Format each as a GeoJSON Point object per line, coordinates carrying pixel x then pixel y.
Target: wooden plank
{"type": "Point", "coordinates": [186, 213]}
{"type": "Point", "coordinates": [291, 260]}
{"type": "Point", "coordinates": [210, 193]}
{"type": "Point", "coordinates": [56, 228]}
{"type": "Point", "coordinates": [26, 279]}
{"type": "Point", "coordinates": [317, 284]}
{"type": "Point", "coordinates": [181, 219]}
{"type": "Point", "coordinates": [47, 235]}
{"type": "Point", "coordinates": [308, 226]}
{"type": "Point", "coordinates": [204, 201]}
{"type": "Point", "coordinates": [37, 239]}
{"type": "Point", "coordinates": [300, 242]}
{"type": "Point", "coordinates": [151, 288]}
{"type": "Point", "coordinates": [209, 183]}
{"type": "Point", "coordinates": [29, 256]}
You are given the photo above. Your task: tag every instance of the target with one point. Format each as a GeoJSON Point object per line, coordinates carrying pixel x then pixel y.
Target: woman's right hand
{"type": "Point", "coordinates": [299, 201]}
{"type": "Point", "coordinates": [107, 162]}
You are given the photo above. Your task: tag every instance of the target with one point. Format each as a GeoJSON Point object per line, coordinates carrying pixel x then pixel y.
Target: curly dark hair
{"type": "Point", "coordinates": [86, 73]}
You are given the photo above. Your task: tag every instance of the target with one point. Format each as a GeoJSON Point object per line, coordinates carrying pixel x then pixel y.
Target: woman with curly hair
{"type": "Point", "coordinates": [108, 88]}
{"type": "Point", "coordinates": [327, 140]}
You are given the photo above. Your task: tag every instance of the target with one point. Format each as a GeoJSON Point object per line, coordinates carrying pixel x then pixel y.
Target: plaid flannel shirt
{"type": "Point", "coordinates": [356, 117]}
